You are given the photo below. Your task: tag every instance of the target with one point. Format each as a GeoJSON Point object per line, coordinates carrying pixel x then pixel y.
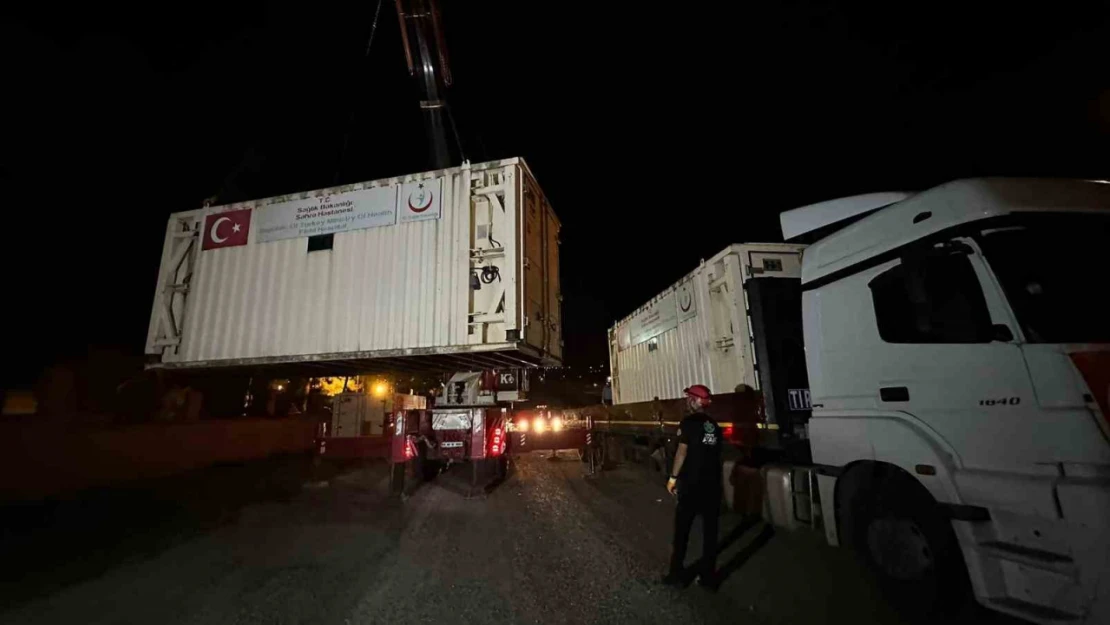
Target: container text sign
{"type": "Point", "coordinates": [327, 213]}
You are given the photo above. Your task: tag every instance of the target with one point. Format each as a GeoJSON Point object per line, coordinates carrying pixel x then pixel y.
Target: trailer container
{"type": "Point", "coordinates": [447, 270]}
{"type": "Point", "coordinates": [733, 324]}
{"type": "Point", "coordinates": [361, 414]}
{"type": "Point", "coordinates": [699, 330]}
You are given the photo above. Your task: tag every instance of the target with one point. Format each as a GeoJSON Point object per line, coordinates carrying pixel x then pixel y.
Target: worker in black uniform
{"type": "Point", "coordinates": [696, 480]}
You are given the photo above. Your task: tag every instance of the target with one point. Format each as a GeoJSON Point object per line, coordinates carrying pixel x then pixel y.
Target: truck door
{"type": "Point", "coordinates": [942, 351]}
{"type": "Point", "coordinates": [1062, 323]}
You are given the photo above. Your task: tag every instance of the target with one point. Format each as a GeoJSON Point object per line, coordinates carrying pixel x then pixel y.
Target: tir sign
{"type": "Point", "coordinates": [798, 399]}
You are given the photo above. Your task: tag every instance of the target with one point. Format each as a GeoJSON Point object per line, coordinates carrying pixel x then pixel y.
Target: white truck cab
{"type": "Point", "coordinates": [958, 350]}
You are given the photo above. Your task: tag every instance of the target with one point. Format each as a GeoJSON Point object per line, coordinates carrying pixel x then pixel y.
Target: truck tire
{"type": "Point", "coordinates": [908, 544]}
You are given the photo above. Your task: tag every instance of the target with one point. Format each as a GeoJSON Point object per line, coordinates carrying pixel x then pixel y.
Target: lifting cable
{"type": "Point", "coordinates": [351, 115]}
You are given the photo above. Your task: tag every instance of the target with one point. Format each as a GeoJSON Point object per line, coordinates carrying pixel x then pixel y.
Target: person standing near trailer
{"type": "Point", "coordinates": [696, 481]}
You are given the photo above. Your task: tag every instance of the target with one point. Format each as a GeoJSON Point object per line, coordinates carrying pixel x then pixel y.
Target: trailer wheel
{"type": "Point", "coordinates": [905, 540]}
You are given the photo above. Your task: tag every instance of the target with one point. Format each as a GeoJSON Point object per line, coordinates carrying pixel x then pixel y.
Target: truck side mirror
{"type": "Point", "coordinates": [1001, 332]}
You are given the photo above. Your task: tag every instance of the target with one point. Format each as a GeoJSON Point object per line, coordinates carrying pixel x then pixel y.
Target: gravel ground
{"type": "Point", "coordinates": [547, 546]}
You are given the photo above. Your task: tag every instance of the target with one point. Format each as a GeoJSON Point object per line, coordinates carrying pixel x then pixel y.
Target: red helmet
{"type": "Point", "coordinates": [700, 391]}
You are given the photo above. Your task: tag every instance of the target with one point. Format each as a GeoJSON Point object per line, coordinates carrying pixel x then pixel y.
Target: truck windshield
{"type": "Point", "coordinates": [1052, 267]}
{"type": "Point", "coordinates": [451, 421]}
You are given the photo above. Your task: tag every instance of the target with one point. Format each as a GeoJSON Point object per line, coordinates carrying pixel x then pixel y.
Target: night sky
{"type": "Point", "coordinates": [660, 133]}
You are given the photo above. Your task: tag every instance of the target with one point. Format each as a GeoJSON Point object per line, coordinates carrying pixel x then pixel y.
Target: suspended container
{"type": "Point", "coordinates": [442, 270]}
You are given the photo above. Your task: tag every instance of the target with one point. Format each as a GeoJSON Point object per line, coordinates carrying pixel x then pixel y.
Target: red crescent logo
{"type": "Point", "coordinates": [423, 208]}
{"type": "Point", "coordinates": [685, 301]}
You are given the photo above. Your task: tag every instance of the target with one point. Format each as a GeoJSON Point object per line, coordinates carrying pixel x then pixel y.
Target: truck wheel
{"type": "Point", "coordinates": [909, 545]}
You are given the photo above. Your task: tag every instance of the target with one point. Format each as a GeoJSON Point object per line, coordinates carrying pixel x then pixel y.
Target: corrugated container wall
{"type": "Point", "coordinates": [461, 262]}
{"type": "Point", "coordinates": [697, 331]}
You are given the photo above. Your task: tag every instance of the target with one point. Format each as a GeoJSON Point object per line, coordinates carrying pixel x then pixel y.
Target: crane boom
{"type": "Point", "coordinates": [426, 55]}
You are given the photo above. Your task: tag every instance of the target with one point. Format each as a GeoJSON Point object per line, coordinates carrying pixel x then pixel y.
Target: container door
{"type": "Point", "coordinates": [614, 366]}
{"type": "Point", "coordinates": [554, 315]}
{"type": "Point", "coordinates": [729, 360]}
{"type": "Point", "coordinates": [179, 259]}
{"type": "Point", "coordinates": [373, 411]}
{"type": "Point", "coordinates": [346, 418]}
{"type": "Point", "coordinates": [534, 261]}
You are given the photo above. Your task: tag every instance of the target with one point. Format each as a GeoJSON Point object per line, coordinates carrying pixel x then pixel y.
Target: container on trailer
{"type": "Point", "coordinates": [700, 330]}
{"type": "Point", "coordinates": [347, 410]}
{"type": "Point", "coordinates": [359, 414]}
{"type": "Point", "coordinates": [449, 269]}
{"type": "Point", "coordinates": [402, 401]}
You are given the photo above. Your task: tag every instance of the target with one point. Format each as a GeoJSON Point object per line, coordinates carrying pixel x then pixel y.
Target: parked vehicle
{"type": "Point", "coordinates": [545, 428]}
{"type": "Point", "coordinates": [948, 412]}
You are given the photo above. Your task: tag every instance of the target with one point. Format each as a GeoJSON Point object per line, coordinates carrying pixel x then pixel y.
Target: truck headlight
{"type": "Point", "coordinates": [539, 426]}
{"type": "Point", "coordinates": [556, 424]}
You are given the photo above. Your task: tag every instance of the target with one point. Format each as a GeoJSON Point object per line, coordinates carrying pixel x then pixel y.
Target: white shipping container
{"type": "Point", "coordinates": [447, 269]}
{"type": "Point", "coordinates": [360, 414]}
{"type": "Point", "coordinates": [348, 412]}
{"type": "Point", "coordinates": [697, 331]}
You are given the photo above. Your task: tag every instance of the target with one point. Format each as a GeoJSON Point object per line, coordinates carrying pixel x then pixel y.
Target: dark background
{"type": "Point", "coordinates": [660, 133]}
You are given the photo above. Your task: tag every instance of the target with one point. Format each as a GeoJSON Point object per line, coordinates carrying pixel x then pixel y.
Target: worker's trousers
{"type": "Point", "coordinates": [691, 503]}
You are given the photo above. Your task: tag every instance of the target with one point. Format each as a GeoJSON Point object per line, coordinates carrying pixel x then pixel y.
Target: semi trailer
{"type": "Point", "coordinates": [926, 382]}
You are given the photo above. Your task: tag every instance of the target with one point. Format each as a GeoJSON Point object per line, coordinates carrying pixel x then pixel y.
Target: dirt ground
{"type": "Point", "coordinates": [278, 543]}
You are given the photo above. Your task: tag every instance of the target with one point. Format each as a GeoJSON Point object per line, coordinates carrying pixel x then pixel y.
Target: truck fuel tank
{"type": "Point", "coordinates": [792, 499]}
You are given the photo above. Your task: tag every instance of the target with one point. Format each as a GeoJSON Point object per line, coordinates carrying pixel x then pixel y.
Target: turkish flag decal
{"type": "Point", "coordinates": [226, 229]}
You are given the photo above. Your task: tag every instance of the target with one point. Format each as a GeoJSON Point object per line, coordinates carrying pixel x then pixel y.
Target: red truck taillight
{"type": "Point", "coordinates": [498, 443]}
